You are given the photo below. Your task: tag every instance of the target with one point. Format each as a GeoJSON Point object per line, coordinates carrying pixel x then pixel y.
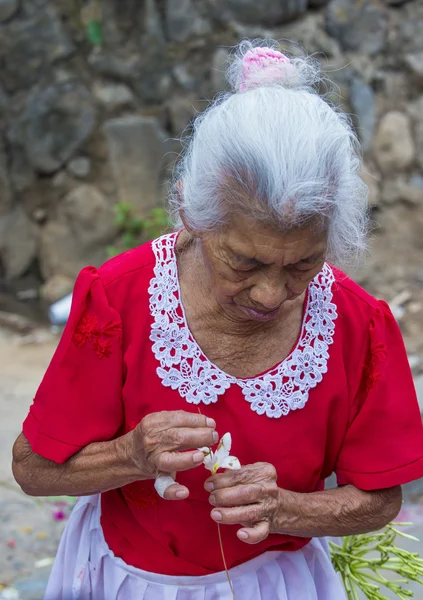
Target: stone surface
{"type": "Point", "coordinates": [358, 26]}
{"type": "Point", "coordinates": [31, 45]}
{"type": "Point", "coordinates": [183, 20]}
{"type": "Point", "coordinates": [80, 167]}
{"type": "Point", "coordinates": [135, 153]}
{"type": "Point", "coordinates": [182, 111]}
{"type": "Point", "coordinates": [18, 243]}
{"type": "Point", "coordinates": [7, 9]}
{"type": "Point", "coordinates": [394, 146]}
{"type": "Point", "coordinates": [414, 63]}
{"type": "Point", "coordinates": [419, 143]}
{"type": "Point", "coordinates": [114, 96]}
{"type": "Point", "coordinates": [153, 22]}
{"type": "Point", "coordinates": [151, 61]}
{"type": "Point", "coordinates": [57, 121]}
{"type": "Point", "coordinates": [309, 33]}
{"type": "Point", "coordinates": [218, 70]}
{"type": "Point", "coordinates": [317, 3]}
{"type": "Point", "coordinates": [110, 65]}
{"type": "Point", "coordinates": [5, 191]}
{"type": "Point", "coordinates": [415, 112]}
{"type": "Point", "coordinates": [84, 227]}
{"type": "Point", "coordinates": [363, 104]}
{"type": "Point", "coordinates": [56, 288]}
{"type": "Point", "coordinates": [372, 179]}
{"type": "Point", "coordinates": [267, 12]}
{"type": "Point", "coordinates": [408, 36]}
{"type": "Point", "coordinates": [402, 190]}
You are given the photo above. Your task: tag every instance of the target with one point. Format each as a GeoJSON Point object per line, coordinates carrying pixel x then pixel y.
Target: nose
{"type": "Point", "coordinates": [269, 292]}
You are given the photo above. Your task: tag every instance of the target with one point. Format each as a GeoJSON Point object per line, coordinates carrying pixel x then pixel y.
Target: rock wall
{"type": "Point", "coordinates": [81, 128]}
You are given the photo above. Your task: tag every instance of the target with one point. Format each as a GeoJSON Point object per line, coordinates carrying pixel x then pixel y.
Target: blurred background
{"type": "Point", "coordinates": [95, 98]}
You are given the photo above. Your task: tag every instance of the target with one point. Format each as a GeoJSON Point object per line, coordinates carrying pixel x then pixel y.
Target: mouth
{"type": "Point", "coordinates": [260, 315]}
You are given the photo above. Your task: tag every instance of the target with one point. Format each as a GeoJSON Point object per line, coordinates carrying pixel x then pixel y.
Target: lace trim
{"type": "Point", "coordinates": [185, 368]}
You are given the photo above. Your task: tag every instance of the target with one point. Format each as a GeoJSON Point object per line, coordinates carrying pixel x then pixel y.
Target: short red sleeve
{"type": "Point", "coordinates": [383, 446]}
{"type": "Point", "coordinates": [79, 399]}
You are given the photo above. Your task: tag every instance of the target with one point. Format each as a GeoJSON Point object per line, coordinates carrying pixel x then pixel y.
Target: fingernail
{"type": "Point", "coordinates": [198, 457]}
{"type": "Point", "coordinates": [212, 499]}
{"type": "Point", "coordinates": [182, 494]}
{"type": "Point", "coordinates": [211, 423]}
{"type": "Point", "coordinates": [209, 487]}
{"type": "Point", "coordinates": [216, 515]}
{"type": "Point", "coordinates": [215, 436]}
{"type": "Point", "coordinates": [243, 535]}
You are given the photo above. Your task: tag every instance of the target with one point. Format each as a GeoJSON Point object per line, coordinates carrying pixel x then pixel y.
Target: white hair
{"type": "Point", "coordinates": [278, 152]}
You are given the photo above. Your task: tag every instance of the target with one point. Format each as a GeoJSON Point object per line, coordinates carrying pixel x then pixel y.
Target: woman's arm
{"type": "Point", "coordinates": [99, 467]}
{"type": "Point", "coordinates": [252, 498]}
{"type": "Point", "coordinates": [336, 512]}
{"type": "Point", "coordinates": [160, 443]}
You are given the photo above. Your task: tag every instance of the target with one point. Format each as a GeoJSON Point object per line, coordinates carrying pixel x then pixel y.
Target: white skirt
{"type": "Point", "coordinates": [86, 569]}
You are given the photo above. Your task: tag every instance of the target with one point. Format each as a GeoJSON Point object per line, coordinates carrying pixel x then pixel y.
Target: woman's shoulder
{"type": "Point", "coordinates": [357, 310]}
{"type": "Point", "coordinates": [136, 264]}
{"type": "Point", "coordinates": [350, 296]}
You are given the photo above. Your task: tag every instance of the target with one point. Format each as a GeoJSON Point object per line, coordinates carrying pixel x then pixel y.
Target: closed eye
{"type": "Point", "coordinates": [305, 264]}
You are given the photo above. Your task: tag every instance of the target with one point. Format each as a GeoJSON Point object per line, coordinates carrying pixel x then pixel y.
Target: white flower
{"type": "Point", "coordinates": [213, 461]}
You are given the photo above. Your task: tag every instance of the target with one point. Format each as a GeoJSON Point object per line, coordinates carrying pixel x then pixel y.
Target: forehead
{"type": "Point", "coordinates": [251, 239]}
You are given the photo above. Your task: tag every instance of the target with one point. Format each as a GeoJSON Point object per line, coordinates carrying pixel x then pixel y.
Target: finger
{"type": "Point", "coordinates": [254, 473]}
{"type": "Point", "coordinates": [237, 496]}
{"type": "Point", "coordinates": [178, 461]}
{"type": "Point", "coordinates": [176, 492]}
{"type": "Point", "coordinates": [238, 514]}
{"type": "Point", "coordinates": [183, 438]}
{"type": "Point", "coordinates": [255, 534]}
{"type": "Point", "coordinates": [177, 418]}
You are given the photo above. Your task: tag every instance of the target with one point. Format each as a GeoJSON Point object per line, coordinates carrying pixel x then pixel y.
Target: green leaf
{"type": "Point", "coordinates": [95, 32]}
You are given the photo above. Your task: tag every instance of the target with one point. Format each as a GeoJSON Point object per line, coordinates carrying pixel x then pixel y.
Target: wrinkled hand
{"type": "Point", "coordinates": [249, 497]}
{"type": "Point", "coordinates": [156, 445]}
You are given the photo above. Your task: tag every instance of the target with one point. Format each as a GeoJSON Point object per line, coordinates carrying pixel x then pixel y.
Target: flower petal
{"type": "Point", "coordinates": [210, 461]}
{"type": "Point", "coordinates": [205, 450]}
{"type": "Point", "coordinates": [230, 462]}
{"type": "Point", "coordinates": [225, 442]}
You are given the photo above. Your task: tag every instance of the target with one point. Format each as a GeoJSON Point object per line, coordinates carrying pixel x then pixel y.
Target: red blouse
{"type": "Point", "coordinates": [342, 401]}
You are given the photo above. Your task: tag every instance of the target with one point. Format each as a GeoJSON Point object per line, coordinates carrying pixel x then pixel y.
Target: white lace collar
{"type": "Point", "coordinates": [185, 368]}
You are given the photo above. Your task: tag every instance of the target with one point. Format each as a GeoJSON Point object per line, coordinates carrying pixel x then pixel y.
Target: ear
{"type": "Point", "coordinates": [180, 192]}
{"type": "Point", "coordinates": [187, 226]}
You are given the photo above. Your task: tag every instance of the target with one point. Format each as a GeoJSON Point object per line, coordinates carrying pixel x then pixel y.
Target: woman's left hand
{"type": "Point", "coordinates": [249, 497]}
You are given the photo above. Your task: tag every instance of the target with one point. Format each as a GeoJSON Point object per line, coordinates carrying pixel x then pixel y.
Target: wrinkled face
{"type": "Point", "coordinates": [254, 270]}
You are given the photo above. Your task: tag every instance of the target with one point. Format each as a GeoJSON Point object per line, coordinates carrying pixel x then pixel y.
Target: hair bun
{"type": "Point", "coordinates": [262, 66]}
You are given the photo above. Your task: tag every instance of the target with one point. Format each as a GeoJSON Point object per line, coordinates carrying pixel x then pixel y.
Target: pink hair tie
{"type": "Point", "coordinates": [263, 66]}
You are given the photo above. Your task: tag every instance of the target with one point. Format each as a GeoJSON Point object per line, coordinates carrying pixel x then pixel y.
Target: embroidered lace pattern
{"type": "Point", "coordinates": [184, 367]}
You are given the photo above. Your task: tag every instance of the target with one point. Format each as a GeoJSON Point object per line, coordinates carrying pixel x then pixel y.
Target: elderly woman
{"type": "Point", "coordinates": [236, 323]}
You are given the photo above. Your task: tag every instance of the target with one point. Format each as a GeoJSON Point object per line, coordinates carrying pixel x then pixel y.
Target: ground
{"type": "Point", "coordinates": [30, 528]}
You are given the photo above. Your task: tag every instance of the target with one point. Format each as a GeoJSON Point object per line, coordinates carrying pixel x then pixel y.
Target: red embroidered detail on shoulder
{"type": "Point", "coordinates": [374, 367]}
{"type": "Point", "coordinates": [90, 330]}
{"type": "Point", "coordinates": [140, 494]}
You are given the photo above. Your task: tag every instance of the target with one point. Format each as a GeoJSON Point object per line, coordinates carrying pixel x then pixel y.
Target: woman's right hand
{"type": "Point", "coordinates": [163, 443]}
